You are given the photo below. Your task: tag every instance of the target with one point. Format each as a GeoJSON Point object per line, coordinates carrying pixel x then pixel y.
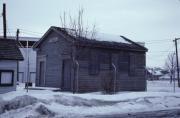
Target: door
{"type": "Point", "coordinates": [66, 75]}
{"type": "Point", "coordinates": [42, 73]}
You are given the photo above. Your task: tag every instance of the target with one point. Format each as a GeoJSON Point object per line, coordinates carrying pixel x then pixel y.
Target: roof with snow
{"type": "Point", "coordinates": [99, 40]}
{"type": "Point", "coordinates": [9, 50]}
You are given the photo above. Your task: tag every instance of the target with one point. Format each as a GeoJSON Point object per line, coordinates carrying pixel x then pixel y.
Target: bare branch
{"type": "Point", "coordinates": [170, 64]}
{"type": "Point", "coordinates": [76, 25]}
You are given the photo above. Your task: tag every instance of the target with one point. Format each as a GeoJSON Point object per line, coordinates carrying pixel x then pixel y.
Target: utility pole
{"type": "Point", "coordinates": [17, 40]}
{"type": "Point", "coordinates": [27, 83]}
{"type": "Point", "coordinates": [177, 61]}
{"type": "Point", "coordinates": [4, 20]}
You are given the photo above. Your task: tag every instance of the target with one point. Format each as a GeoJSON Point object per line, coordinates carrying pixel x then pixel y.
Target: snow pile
{"type": "Point", "coordinates": [44, 111]}
{"type": "Point", "coordinates": [16, 103]}
{"type": "Point", "coordinates": [78, 101]}
{"type": "Point", "coordinates": [48, 104]}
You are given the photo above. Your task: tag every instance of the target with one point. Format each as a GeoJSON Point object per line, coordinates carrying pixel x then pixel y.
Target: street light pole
{"type": "Point", "coordinates": [177, 61]}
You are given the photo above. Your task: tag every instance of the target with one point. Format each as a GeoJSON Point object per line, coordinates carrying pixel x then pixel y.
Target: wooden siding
{"type": "Point", "coordinates": [130, 66]}
{"type": "Point", "coordinates": [55, 48]}
{"type": "Point", "coordinates": [130, 74]}
{"type": "Point", "coordinates": [8, 65]}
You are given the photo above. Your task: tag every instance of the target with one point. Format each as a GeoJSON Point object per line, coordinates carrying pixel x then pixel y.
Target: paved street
{"type": "Point", "coordinates": [174, 113]}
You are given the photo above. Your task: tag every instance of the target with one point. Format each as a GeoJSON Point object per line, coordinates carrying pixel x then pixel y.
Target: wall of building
{"type": "Point", "coordinates": [23, 65]}
{"type": "Point", "coordinates": [52, 51]}
{"type": "Point", "coordinates": [125, 80]}
{"type": "Point", "coordinates": [8, 65]}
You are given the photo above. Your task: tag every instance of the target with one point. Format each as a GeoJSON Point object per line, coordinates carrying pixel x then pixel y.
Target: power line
{"type": "Point", "coordinates": [29, 33]}
{"type": "Point", "coordinates": [160, 52]}
{"type": "Point", "coordinates": [156, 43]}
{"type": "Point", "coordinates": [25, 30]}
{"type": "Point", "coordinates": [159, 40]}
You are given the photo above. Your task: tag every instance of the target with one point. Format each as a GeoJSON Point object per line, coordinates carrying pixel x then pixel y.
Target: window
{"type": "Point", "coordinates": [83, 54]}
{"type": "Point", "coordinates": [132, 65]}
{"type": "Point", "coordinates": [105, 60]}
{"type": "Point", "coordinates": [6, 77]}
{"type": "Point", "coordinates": [140, 61]}
{"type": "Point", "coordinates": [124, 62]}
{"type": "Point", "coordinates": [94, 64]}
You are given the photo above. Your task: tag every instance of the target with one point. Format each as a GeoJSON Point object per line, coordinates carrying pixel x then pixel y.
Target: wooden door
{"type": "Point", "coordinates": [42, 73]}
{"type": "Point", "coordinates": [66, 75]}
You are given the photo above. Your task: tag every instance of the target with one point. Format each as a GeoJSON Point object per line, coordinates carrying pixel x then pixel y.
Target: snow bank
{"type": "Point", "coordinates": [46, 103]}
{"type": "Point", "coordinates": [43, 110]}
{"type": "Point", "coordinates": [16, 103]}
{"type": "Point", "coordinates": [78, 101]}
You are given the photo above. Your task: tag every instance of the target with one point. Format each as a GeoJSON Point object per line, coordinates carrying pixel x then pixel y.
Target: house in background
{"type": "Point", "coordinates": [82, 64]}
{"type": "Point", "coordinates": [165, 77]}
{"type": "Point", "coordinates": [23, 65]}
{"type": "Point", "coordinates": [9, 55]}
{"type": "Point", "coordinates": [154, 73]}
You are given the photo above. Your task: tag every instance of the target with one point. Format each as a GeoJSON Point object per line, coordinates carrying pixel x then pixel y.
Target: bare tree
{"type": "Point", "coordinates": [170, 65]}
{"type": "Point", "coordinates": [75, 25]}
{"type": "Point", "coordinates": [107, 82]}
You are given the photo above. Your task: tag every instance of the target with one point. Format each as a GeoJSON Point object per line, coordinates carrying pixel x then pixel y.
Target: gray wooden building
{"type": "Point", "coordinates": [9, 55]}
{"type": "Point", "coordinates": [81, 64]}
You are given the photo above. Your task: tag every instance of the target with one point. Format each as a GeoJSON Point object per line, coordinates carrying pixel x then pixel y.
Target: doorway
{"type": "Point", "coordinates": [66, 75]}
{"type": "Point", "coordinates": [42, 73]}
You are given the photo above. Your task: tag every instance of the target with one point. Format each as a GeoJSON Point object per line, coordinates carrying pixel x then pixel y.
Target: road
{"type": "Point", "coordinates": [173, 113]}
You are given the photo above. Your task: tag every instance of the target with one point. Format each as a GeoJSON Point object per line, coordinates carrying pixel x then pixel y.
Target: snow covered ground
{"type": "Point", "coordinates": [46, 103]}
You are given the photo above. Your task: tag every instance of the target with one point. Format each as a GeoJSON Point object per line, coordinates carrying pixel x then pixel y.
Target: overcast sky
{"type": "Point", "coordinates": [155, 22]}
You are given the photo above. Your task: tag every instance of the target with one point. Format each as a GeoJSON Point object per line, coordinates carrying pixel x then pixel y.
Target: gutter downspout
{"type": "Point", "coordinates": [115, 71]}
{"type": "Point", "coordinates": [77, 75]}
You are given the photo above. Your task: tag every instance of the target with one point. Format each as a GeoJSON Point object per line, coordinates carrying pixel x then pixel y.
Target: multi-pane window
{"type": "Point", "coordinates": [6, 77]}
{"type": "Point", "coordinates": [127, 63]}
{"type": "Point", "coordinates": [105, 60]}
{"type": "Point", "coordinates": [94, 63]}
{"type": "Point", "coordinates": [124, 62]}
{"type": "Point", "coordinates": [132, 65]}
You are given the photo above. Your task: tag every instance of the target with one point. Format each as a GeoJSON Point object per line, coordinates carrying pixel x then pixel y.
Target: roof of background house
{"type": "Point", "coordinates": [23, 40]}
{"type": "Point", "coordinates": [9, 50]}
{"type": "Point", "coordinates": [99, 40]}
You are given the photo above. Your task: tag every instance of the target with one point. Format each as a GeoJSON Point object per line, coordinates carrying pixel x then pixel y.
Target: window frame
{"type": "Point", "coordinates": [12, 81]}
{"type": "Point", "coordinates": [124, 62]}
{"type": "Point", "coordinates": [94, 65]}
{"type": "Point", "coordinates": [132, 65]}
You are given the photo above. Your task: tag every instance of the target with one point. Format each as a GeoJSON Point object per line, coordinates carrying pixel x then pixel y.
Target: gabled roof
{"type": "Point", "coordinates": [9, 50]}
{"type": "Point", "coordinates": [99, 40]}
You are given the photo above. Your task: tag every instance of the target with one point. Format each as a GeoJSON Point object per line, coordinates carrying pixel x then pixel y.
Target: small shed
{"type": "Point", "coordinates": [9, 56]}
{"type": "Point", "coordinates": [82, 64]}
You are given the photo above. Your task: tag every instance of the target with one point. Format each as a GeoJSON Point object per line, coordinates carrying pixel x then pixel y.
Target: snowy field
{"type": "Point", "coordinates": [46, 103]}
